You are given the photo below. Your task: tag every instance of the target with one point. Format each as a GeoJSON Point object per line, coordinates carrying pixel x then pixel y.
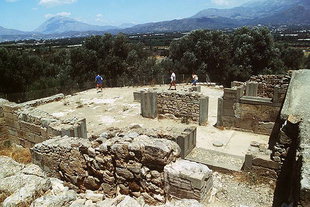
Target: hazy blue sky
{"type": "Point", "coordinates": [29, 14]}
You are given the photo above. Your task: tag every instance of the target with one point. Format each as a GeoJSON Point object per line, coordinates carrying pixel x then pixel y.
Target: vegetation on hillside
{"type": "Point", "coordinates": [223, 56]}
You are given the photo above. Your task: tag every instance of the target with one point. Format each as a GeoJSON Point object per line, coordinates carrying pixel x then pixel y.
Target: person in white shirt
{"type": "Point", "coordinates": [195, 79]}
{"type": "Point", "coordinates": [172, 81]}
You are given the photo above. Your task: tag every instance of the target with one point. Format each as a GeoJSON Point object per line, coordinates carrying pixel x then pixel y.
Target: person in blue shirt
{"type": "Point", "coordinates": [99, 81]}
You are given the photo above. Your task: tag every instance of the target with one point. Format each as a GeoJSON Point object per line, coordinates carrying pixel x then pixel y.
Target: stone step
{"type": "Point", "coordinates": [216, 160]}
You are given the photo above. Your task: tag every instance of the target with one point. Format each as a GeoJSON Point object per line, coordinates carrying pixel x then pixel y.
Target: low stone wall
{"type": "Point", "coordinates": [258, 160]}
{"type": "Point", "coordinates": [250, 113]}
{"type": "Point", "coordinates": [130, 164]}
{"type": "Point", "coordinates": [26, 126]}
{"type": "Point", "coordinates": [190, 106]}
{"type": "Point", "coordinates": [184, 137]}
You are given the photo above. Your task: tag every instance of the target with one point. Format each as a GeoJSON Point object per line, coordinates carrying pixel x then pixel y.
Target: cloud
{"type": "Point", "coordinates": [222, 2]}
{"type": "Point", "coordinates": [99, 18]}
{"type": "Point", "coordinates": [51, 3]}
{"type": "Point", "coordinates": [63, 14]}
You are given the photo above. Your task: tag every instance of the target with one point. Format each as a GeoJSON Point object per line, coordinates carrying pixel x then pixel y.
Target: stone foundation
{"type": "Point", "coordinates": [130, 164]}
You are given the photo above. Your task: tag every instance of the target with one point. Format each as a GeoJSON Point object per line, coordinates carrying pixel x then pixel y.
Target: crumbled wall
{"type": "Point", "coordinates": [184, 137]}
{"type": "Point", "coordinates": [24, 125]}
{"type": "Point", "coordinates": [132, 164]}
{"type": "Point", "coordinates": [3, 131]}
{"type": "Point", "coordinates": [267, 84]}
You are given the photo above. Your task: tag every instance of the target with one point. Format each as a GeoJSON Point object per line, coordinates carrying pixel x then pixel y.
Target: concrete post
{"type": "Point", "coordinates": [203, 110]}
{"type": "Point", "coordinates": [219, 112]}
{"type": "Point", "coordinates": [149, 104]}
{"type": "Point", "coordinates": [251, 88]}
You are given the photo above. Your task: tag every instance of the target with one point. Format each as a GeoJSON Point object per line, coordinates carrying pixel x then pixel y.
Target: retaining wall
{"type": "Point", "coordinates": [132, 164]}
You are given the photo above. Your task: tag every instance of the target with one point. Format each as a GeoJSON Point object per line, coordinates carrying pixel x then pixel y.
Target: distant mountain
{"type": "Point", "coordinates": [5, 31]}
{"type": "Point", "coordinates": [268, 12]}
{"type": "Point", "coordinates": [60, 24]}
{"type": "Point", "coordinates": [264, 12]}
{"type": "Point", "coordinates": [126, 25]}
{"type": "Point", "coordinates": [179, 25]}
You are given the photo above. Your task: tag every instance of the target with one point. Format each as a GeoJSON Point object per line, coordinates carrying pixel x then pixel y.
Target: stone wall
{"type": "Point", "coordinates": [26, 126]}
{"type": "Point", "coordinates": [250, 113]}
{"type": "Point", "coordinates": [184, 137]}
{"type": "Point", "coordinates": [191, 105]}
{"type": "Point", "coordinates": [267, 84]}
{"type": "Point", "coordinates": [3, 131]}
{"type": "Point", "coordinates": [258, 160]}
{"type": "Point", "coordinates": [130, 164]}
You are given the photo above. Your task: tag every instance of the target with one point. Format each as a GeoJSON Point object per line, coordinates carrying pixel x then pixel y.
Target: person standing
{"type": "Point", "coordinates": [172, 81]}
{"type": "Point", "coordinates": [99, 82]}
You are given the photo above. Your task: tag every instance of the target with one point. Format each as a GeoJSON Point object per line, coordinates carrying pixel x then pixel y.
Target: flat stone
{"type": "Point", "coordinates": [218, 144]}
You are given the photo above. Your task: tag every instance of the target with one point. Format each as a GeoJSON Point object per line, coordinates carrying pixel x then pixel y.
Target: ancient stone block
{"type": "Point", "coordinates": [185, 179]}
{"type": "Point", "coordinates": [149, 104]}
{"type": "Point", "coordinates": [230, 93]}
{"type": "Point", "coordinates": [251, 89]}
{"type": "Point", "coordinates": [265, 162]}
{"type": "Point", "coordinates": [203, 110]}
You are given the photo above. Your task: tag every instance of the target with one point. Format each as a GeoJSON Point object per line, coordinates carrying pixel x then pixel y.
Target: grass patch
{"type": "Point", "coordinates": [19, 154]}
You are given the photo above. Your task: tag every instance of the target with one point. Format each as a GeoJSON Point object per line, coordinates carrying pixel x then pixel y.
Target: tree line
{"type": "Point", "coordinates": [224, 57]}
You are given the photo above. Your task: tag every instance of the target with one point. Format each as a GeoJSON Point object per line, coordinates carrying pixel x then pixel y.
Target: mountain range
{"type": "Point", "coordinates": [263, 12]}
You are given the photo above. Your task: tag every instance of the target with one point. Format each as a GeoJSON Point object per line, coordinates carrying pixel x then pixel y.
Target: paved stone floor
{"type": "Point", "coordinates": [114, 107]}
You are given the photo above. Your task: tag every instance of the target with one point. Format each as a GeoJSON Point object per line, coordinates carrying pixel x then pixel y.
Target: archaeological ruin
{"type": "Point", "coordinates": [155, 147]}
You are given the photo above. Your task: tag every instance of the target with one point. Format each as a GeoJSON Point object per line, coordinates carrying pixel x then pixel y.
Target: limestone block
{"type": "Point", "coordinates": [29, 127]}
{"type": "Point", "coordinates": [265, 162]}
{"type": "Point", "coordinates": [230, 93]}
{"type": "Point", "coordinates": [219, 121]}
{"type": "Point", "coordinates": [187, 141]}
{"type": "Point", "coordinates": [251, 89]}
{"type": "Point", "coordinates": [149, 104]}
{"type": "Point", "coordinates": [203, 110]}
{"type": "Point", "coordinates": [248, 162]}
{"type": "Point", "coordinates": [186, 179]}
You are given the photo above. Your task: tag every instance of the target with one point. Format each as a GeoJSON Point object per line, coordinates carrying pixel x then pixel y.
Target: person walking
{"type": "Point", "coordinates": [172, 81]}
{"type": "Point", "coordinates": [99, 82]}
